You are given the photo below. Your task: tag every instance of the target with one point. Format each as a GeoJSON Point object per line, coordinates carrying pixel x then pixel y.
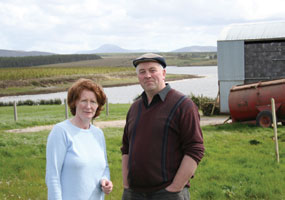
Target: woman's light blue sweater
{"type": "Point", "coordinates": [76, 162]}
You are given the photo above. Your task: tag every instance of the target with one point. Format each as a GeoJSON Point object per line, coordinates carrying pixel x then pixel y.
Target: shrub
{"type": "Point", "coordinates": [26, 102]}
{"type": "Point", "coordinates": [42, 102]}
{"type": "Point", "coordinates": [205, 104]}
{"type": "Point", "coordinates": [31, 102]}
{"type": "Point", "coordinates": [57, 101]}
{"type": "Point", "coordinates": [196, 100]}
{"type": "Point", "coordinates": [207, 108]}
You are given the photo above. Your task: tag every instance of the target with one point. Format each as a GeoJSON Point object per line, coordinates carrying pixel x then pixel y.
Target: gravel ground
{"type": "Point", "coordinates": [120, 123]}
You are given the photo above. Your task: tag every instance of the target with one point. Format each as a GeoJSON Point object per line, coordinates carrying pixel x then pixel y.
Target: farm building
{"type": "Point", "coordinates": [249, 53]}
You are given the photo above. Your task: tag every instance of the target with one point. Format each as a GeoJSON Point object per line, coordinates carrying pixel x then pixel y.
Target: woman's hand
{"type": "Point", "coordinates": [106, 186]}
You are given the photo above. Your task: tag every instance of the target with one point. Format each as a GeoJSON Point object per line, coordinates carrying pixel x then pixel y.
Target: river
{"type": "Point", "coordinates": [206, 86]}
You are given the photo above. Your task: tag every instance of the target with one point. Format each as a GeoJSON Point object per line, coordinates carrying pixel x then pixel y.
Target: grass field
{"type": "Point", "coordinates": [50, 114]}
{"type": "Point", "coordinates": [33, 80]}
{"type": "Point", "coordinates": [52, 79]}
{"type": "Point", "coordinates": [111, 70]}
{"type": "Point", "coordinates": [239, 161]}
{"type": "Point", "coordinates": [47, 72]}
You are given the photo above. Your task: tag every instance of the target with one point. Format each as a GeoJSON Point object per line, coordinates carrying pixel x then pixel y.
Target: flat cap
{"type": "Point", "coordinates": [150, 57]}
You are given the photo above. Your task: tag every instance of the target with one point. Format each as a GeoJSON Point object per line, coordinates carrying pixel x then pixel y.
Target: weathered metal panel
{"type": "Point", "coordinates": [224, 88]}
{"type": "Point", "coordinates": [231, 60]}
{"type": "Point", "coordinates": [254, 31]}
{"type": "Point", "coordinates": [230, 69]}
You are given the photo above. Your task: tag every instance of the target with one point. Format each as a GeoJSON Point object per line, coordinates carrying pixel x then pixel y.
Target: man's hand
{"type": "Point", "coordinates": [125, 161]}
{"type": "Point", "coordinates": [106, 186]}
{"type": "Point", "coordinates": [185, 172]}
{"type": "Point", "coordinates": [172, 188]}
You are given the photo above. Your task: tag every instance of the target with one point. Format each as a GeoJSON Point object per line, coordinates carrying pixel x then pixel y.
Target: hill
{"type": "Point", "coordinates": [197, 49]}
{"type": "Point", "coordinates": [106, 48]}
{"type": "Point", "coordinates": [12, 53]}
{"type": "Point", "coordinates": [28, 61]}
{"type": "Point", "coordinates": [111, 48]}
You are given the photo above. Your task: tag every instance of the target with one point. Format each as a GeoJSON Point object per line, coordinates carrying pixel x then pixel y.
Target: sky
{"type": "Point", "coordinates": [70, 26]}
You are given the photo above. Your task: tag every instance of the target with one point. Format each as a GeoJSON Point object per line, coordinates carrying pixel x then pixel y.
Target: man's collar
{"type": "Point", "coordinates": [162, 94]}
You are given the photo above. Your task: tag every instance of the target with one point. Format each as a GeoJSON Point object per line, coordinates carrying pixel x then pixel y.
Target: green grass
{"type": "Point", "coordinates": [29, 116]}
{"type": "Point", "coordinates": [239, 161]}
{"type": "Point", "coordinates": [113, 138]}
{"type": "Point", "coordinates": [22, 165]}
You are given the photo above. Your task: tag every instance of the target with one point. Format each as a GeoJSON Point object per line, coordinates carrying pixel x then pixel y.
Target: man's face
{"type": "Point", "coordinates": [151, 76]}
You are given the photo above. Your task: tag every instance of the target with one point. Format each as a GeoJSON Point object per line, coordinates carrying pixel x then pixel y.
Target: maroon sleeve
{"type": "Point", "coordinates": [125, 139]}
{"type": "Point", "coordinates": [191, 133]}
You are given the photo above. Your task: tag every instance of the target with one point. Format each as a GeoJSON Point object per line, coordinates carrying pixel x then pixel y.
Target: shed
{"type": "Point", "coordinates": [249, 53]}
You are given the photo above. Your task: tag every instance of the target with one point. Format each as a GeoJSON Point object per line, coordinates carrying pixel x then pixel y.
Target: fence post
{"type": "Point", "coordinates": [275, 129]}
{"type": "Point", "coordinates": [213, 109]}
{"type": "Point", "coordinates": [107, 107]}
{"type": "Point", "coordinates": [15, 111]}
{"type": "Point", "coordinates": [66, 109]}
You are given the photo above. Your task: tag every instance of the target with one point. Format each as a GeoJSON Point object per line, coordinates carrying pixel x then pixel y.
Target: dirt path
{"type": "Point", "coordinates": [118, 123]}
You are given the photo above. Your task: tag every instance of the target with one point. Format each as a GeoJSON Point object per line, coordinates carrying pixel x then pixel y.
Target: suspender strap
{"type": "Point", "coordinates": [165, 137]}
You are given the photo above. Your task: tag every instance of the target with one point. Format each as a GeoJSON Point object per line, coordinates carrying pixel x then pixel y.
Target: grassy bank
{"type": "Point", "coordinates": [171, 58]}
{"type": "Point", "coordinates": [239, 160]}
{"type": "Point", "coordinates": [111, 70]}
{"type": "Point", "coordinates": [35, 80]}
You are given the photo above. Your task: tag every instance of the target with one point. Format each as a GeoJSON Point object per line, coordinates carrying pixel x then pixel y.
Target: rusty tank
{"type": "Point", "coordinates": [252, 102]}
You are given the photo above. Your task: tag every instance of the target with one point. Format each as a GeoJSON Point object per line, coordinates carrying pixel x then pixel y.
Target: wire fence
{"type": "Point", "coordinates": [15, 104]}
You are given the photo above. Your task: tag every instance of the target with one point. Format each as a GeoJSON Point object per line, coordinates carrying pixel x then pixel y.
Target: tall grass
{"type": "Point", "coordinates": [239, 163]}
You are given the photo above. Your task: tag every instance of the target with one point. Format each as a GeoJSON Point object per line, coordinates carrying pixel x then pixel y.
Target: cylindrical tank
{"type": "Point", "coordinates": [247, 101]}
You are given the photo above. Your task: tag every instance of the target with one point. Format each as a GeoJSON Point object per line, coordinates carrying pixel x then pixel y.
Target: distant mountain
{"type": "Point", "coordinates": [111, 48]}
{"type": "Point", "coordinates": [197, 49]}
{"type": "Point", "coordinates": [12, 53]}
{"type": "Point", "coordinates": [106, 48]}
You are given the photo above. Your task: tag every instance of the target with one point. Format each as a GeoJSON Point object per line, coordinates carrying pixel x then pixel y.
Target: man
{"type": "Point", "coordinates": [162, 141]}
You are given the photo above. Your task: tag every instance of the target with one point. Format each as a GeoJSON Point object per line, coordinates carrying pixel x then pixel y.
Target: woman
{"type": "Point", "coordinates": [77, 166]}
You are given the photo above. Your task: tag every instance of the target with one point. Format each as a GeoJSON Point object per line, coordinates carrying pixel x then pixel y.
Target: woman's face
{"type": "Point", "coordinates": [86, 105]}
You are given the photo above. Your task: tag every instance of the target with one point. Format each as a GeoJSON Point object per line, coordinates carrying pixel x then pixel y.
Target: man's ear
{"type": "Point", "coordinates": [164, 73]}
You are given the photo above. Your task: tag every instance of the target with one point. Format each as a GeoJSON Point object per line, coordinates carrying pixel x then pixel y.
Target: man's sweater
{"type": "Point", "coordinates": [157, 137]}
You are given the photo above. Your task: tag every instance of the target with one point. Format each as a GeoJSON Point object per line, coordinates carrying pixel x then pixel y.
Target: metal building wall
{"type": "Point", "coordinates": [230, 69]}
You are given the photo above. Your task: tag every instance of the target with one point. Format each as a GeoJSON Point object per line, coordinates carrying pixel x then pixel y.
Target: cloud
{"type": "Point", "coordinates": [68, 26]}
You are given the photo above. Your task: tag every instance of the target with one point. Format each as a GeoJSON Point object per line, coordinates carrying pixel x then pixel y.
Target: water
{"type": "Point", "coordinates": [207, 86]}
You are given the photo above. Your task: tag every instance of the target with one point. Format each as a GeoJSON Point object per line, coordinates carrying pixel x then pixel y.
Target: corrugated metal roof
{"type": "Point", "coordinates": [254, 31]}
